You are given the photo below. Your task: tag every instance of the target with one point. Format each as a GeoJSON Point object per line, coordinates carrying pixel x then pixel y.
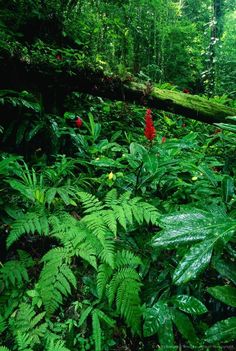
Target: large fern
{"type": "Point", "coordinates": [28, 223]}
{"type": "Point", "coordinates": [122, 286]}
{"type": "Point", "coordinates": [27, 326]}
{"type": "Point", "coordinates": [55, 279]}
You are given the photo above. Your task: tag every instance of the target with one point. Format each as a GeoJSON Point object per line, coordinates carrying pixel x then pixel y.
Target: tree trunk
{"type": "Point", "coordinates": [54, 81]}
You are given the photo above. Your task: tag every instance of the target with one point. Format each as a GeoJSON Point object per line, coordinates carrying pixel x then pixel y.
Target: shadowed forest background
{"type": "Point", "coordinates": [117, 175]}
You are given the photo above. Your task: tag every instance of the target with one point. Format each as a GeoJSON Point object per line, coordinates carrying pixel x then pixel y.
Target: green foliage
{"type": "Point", "coordinates": [109, 241]}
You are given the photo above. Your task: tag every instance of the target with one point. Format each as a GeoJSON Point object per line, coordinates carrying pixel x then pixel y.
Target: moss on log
{"type": "Point", "coordinates": [56, 82]}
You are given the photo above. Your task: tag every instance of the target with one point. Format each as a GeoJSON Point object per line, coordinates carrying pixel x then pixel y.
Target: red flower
{"type": "Point", "coordinates": [186, 91]}
{"type": "Point", "coordinates": [59, 57]}
{"type": "Point", "coordinates": [217, 131]}
{"type": "Point", "coordinates": [163, 139]}
{"type": "Point", "coordinates": [150, 131]}
{"type": "Point", "coordinates": [78, 122]}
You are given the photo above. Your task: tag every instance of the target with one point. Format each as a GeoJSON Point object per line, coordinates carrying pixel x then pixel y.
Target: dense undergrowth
{"type": "Point", "coordinates": [111, 241]}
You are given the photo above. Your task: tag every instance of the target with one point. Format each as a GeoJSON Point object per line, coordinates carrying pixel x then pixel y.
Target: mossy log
{"type": "Point", "coordinates": [55, 82]}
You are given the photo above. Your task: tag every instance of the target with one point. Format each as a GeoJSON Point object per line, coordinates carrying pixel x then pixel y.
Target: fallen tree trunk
{"type": "Point", "coordinates": [51, 82]}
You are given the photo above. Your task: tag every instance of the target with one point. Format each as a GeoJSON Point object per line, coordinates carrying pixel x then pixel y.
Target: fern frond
{"type": "Point", "coordinates": [119, 215]}
{"type": "Point", "coordinates": [97, 332]}
{"type": "Point", "coordinates": [75, 237]}
{"type": "Point", "coordinates": [13, 273]}
{"type": "Point", "coordinates": [128, 303]}
{"type": "Point", "coordinates": [96, 225]}
{"type": "Point", "coordinates": [111, 322]}
{"type": "Point", "coordinates": [3, 324]}
{"type": "Point", "coordinates": [127, 258]}
{"type": "Point", "coordinates": [108, 251]}
{"type": "Point", "coordinates": [125, 197]}
{"type": "Point", "coordinates": [149, 212]}
{"type": "Point", "coordinates": [55, 279]}
{"type": "Point", "coordinates": [111, 198]}
{"type": "Point", "coordinates": [125, 287]}
{"type": "Point", "coordinates": [23, 341]}
{"type": "Point", "coordinates": [128, 212]}
{"type": "Point", "coordinates": [28, 223]}
{"type": "Point", "coordinates": [25, 258]}
{"type": "Point", "coordinates": [103, 277]}
{"type": "Point", "coordinates": [56, 345]}
{"type": "Point", "coordinates": [29, 326]}
{"type": "Point", "coordinates": [110, 220]}
{"type": "Point", "coordinates": [90, 202]}
{"type": "Point", "coordinates": [3, 348]}
{"type": "Point", "coordinates": [120, 276]}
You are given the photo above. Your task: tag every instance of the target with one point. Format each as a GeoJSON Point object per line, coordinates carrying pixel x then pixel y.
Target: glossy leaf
{"type": "Point", "coordinates": [184, 326]}
{"type": "Point", "coordinates": [226, 294]}
{"type": "Point", "coordinates": [189, 304]}
{"type": "Point", "coordinates": [190, 226]}
{"type": "Point", "coordinates": [227, 188]}
{"type": "Point", "coordinates": [222, 331]}
{"type": "Point", "coordinates": [154, 318]}
{"type": "Point", "coordinates": [194, 262]}
{"type": "Point", "coordinates": [226, 269]}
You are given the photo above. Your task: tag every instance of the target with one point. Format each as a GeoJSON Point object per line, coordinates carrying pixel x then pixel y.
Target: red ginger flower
{"type": "Point", "coordinates": [150, 131]}
{"type": "Point", "coordinates": [78, 122]}
{"type": "Point", "coordinates": [163, 139]}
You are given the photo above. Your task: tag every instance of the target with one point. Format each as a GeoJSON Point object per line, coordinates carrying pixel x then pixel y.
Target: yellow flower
{"type": "Point", "coordinates": [110, 176]}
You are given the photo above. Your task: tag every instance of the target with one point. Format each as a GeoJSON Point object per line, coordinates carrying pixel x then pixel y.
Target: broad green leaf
{"type": "Point", "coordinates": [194, 262]}
{"type": "Point", "coordinates": [190, 226]}
{"type": "Point", "coordinates": [150, 163]}
{"type": "Point", "coordinates": [222, 331]}
{"type": "Point", "coordinates": [226, 294]}
{"type": "Point", "coordinates": [184, 326]}
{"type": "Point", "coordinates": [227, 188]}
{"type": "Point", "coordinates": [157, 319]}
{"type": "Point", "coordinates": [154, 318]}
{"type": "Point", "coordinates": [189, 304]}
{"type": "Point", "coordinates": [226, 269]}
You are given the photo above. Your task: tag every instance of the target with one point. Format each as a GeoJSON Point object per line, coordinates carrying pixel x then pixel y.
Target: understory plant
{"type": "Point", "coordinates": [129, 243]}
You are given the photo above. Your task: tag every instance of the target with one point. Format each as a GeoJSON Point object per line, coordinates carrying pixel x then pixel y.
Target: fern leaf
{"type": "Point", "coordinates": [111, 198]}
{"type": "Point", "coordinates": [90, 202]}
{"type": "Point", "coordinates": [111, 322]}
{"type": "Point", "coordinates": [28, 326]}
{"type": "Point", "coordinates": [109, 219]}
{"type": "Point", "coordinates": [13, 273]}
{"type": "Point", "coordinates": [150, 213]}
{"type": "Point", "coordinates": [108, 251]}
{"type": "Point", "coordinates": [97, 332]}
{"type": "Point", "coordinates": [128, 303]}
{"type": "Point", "coordinates": [120, 215]}
{"type": "Point", "coordinates": [28, 223]}
{"type": "Point", "coordinates": [126, 258]}
{"type": "Point", "coordinates": [56, 345]}
{"type": "Point", "coordinates": [3, 324]}
{"type": "Point", "coordinates": [118, 278]}
{"type": "Point", "coordinates": [125, 197]}
{"type": "Point", "coordinates": [96, 225]}
{"type": "Point", "coordinates": [128, 212]}
{"type": "Point", "coordinates": [84, 315]}
{"type": "Point", "coordinates": [55, 279]}
{"type": "Point", "coordinates": [88, 253]}
{"type": "Point", "coordinates": [3, 348]}
{"type": "Point", "coordinates": [25, 258]}
{"type": "Point", "coordinates": [103, 276]}
{"type": "Point", "coordinates": [23, 341]}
